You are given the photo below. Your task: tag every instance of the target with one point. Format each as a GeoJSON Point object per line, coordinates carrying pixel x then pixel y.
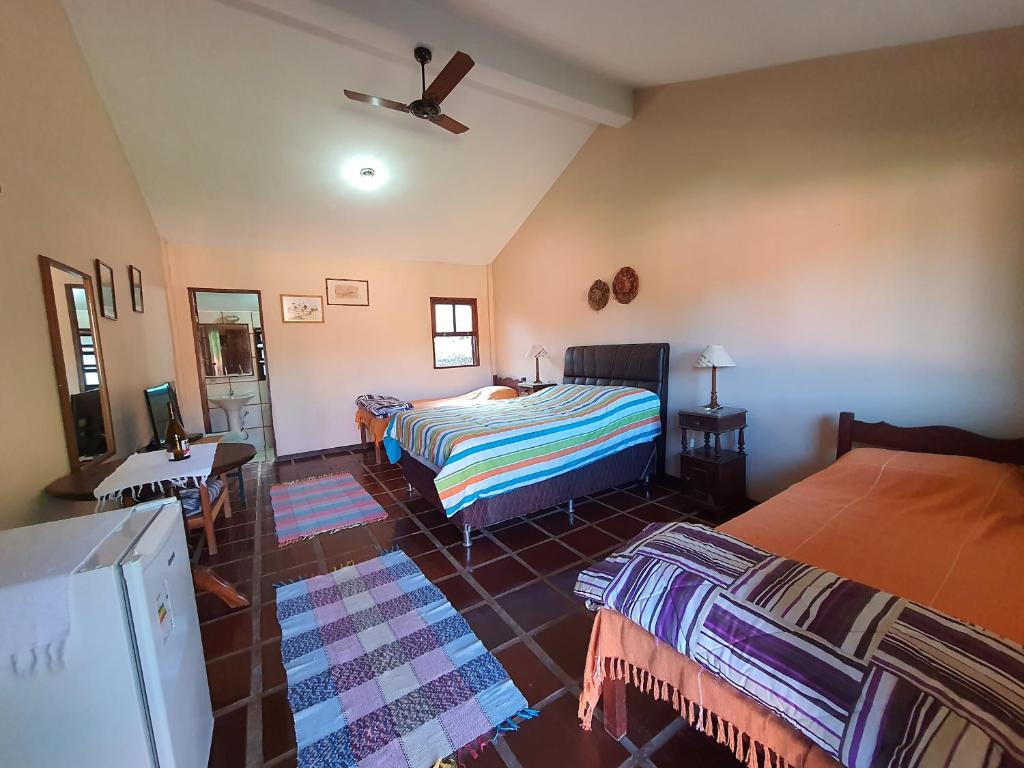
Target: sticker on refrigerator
{"type": "Point", "coordinates": [164, 618]}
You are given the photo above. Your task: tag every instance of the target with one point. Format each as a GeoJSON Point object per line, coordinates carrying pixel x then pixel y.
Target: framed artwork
{"type": "Point", "coordinates": [105, 289]}
{"type": "Point", "coordinates": [135, 281]}
{"type": "Point", "coordinates": [300, 308]}
{"type": "Point", "coordinates": [348, 293]}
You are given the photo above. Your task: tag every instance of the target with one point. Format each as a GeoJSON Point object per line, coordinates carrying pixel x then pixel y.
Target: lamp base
{"type": "Point", "coordinates": [710, 407]}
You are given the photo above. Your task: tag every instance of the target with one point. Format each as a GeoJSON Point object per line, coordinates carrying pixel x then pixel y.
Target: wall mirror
{"type": "Point", "coordinates": [78, 362]}
{"type": "Point", "coordinates": [227, 349]}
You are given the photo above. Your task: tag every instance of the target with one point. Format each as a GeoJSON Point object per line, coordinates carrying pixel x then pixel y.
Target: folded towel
{"type": "Point", "coordinates": [382, 406]}
{"type": "Point", "coordinates": [36, 563]}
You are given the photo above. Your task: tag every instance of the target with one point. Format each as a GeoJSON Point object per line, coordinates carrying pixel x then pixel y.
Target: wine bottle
{"type": "Point", "coordinates": [175, 438]}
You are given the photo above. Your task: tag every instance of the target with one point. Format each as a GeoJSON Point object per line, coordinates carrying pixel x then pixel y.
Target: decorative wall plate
{"type": "Point", "coordinates": [625, 285]}
{"type": "Point", "coordinates": [597, 296]}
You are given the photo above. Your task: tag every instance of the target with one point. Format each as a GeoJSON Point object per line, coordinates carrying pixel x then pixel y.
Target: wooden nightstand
{"type": "Point", "coordinates": [528, 387]}
{"type": "Point", "coordinates": [714, 478]}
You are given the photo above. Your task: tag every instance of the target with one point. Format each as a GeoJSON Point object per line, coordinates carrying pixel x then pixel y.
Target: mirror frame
{"type": "Point", "coordinates": [52, 322]}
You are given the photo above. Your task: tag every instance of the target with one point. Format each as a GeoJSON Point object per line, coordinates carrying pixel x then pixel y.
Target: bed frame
{"type": "Point", "coordinates": [937, 439]}
{"type": "Point", "coordinates": [629, 365]}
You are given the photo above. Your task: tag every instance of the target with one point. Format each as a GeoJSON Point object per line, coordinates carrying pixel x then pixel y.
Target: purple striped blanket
{"type": "Point", "coordinates": [873, 679]}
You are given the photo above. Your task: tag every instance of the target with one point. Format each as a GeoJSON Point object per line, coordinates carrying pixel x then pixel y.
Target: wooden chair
{"type": "Point", "coordinates": [203, 504]}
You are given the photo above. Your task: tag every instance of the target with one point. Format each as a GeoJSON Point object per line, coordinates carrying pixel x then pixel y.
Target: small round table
{"type": "Point", "coordinates": [81, 484]}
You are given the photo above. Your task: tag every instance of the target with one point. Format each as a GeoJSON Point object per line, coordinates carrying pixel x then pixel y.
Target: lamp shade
{"type": "Point", "coordinates": [537, 351]}
{"type": "Point", "coordinates": [714, 356]}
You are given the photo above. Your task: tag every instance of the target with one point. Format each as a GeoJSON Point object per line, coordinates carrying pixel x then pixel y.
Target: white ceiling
{"type": "Point", "coordinates": [652, 42]}
{"type": "Point", "coordinates": [232, 115]}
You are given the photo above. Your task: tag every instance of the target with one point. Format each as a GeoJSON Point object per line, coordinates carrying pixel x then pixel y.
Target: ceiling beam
{"type": "Point", "coordinates": [505, 65]}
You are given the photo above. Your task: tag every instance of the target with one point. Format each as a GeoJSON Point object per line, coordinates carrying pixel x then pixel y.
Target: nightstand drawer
{"type": "Point", "coordinates": [722, 420]}
{"type": "Point", "coordinates": [699, 423]}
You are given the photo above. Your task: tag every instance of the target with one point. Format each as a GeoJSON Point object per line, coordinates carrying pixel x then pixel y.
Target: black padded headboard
{"type": "Point", "coordinates": [625, 365]}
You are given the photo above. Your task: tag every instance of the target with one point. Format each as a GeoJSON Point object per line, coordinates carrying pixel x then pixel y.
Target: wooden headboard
{"type": "Point", "coordinates": [938, 439]}
{"type": "Point", "coordinates": [625, 365]}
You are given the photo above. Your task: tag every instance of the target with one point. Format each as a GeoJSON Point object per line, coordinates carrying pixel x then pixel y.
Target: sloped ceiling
{"type": "Point", "coordinates": [233, 118]}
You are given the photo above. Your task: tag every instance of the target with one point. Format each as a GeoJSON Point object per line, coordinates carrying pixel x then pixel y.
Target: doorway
{"type": "Point", "coordinates": [231, 357]}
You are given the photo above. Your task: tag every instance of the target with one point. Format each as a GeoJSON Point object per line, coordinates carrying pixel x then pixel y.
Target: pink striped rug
{"type": "Point", "coordinates": [320, 505]}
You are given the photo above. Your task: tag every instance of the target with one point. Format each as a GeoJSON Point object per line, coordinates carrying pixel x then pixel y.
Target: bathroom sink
{"type": "Point", "coordinates": [232, 405]}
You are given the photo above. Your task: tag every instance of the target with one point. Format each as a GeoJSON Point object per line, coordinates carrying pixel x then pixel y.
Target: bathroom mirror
{"type": "Point", "coordinates": [227, 349]}
{"type": "Point", "coordinates": [78, 362]}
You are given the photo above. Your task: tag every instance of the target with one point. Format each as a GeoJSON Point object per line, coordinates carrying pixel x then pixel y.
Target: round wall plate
{"type": "Point", "coordinates": [626, 285]}
{"type": "Point", "coordinates": [597, 296]}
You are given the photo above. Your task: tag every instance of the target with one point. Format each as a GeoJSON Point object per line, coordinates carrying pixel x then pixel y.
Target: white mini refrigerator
{"type": "Point", "coordinates": [132, 688]}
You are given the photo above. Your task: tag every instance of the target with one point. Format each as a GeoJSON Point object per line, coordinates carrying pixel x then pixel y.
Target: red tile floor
{"type": "Point", "coordinates": [514, 587]}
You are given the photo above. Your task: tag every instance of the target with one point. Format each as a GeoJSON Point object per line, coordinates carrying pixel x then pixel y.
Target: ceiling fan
{"type": "Point", "coordinates": [428, 106]}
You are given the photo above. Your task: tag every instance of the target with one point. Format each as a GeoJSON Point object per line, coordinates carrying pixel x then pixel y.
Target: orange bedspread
{"type": "Point", "coordinates": [377, 427]}
{"type": "Point", "coordinates": [944, 531]}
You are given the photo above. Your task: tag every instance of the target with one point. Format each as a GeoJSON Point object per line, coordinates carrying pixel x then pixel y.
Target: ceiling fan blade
{"type": "Point", "coordinates": [450, 124]}
{"type": "Point", "coordinates": [377, 101]}
{"type": "Point", "coordinates": [449, 77]}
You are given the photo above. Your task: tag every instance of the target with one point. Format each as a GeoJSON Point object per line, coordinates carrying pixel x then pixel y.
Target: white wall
{"type": "Point", "coordinates": [67, 192]}
{"type": "Point", "coordinates": [851, 229]}
{"type": "Point", "coordinates": [317, 370]}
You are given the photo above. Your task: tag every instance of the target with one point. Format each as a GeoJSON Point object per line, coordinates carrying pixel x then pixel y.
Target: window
{"type": "Point", "coordinates": [454, 325]}
{"type": "Point", "coordinates": [86, 360]}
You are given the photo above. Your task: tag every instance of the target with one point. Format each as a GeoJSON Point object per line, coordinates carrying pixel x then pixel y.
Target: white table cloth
{"type": "Point", "coordinates": [149, 470]}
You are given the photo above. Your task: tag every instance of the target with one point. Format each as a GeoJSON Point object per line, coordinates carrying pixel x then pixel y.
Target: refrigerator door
{"type": "Point", "coordinates": [162, 612]}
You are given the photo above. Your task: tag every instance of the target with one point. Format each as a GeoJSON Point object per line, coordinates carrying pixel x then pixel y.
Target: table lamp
{"type": "Point", "coordinates": [714, 357]}
{"type": "Point", "coordinates": [537, 352]}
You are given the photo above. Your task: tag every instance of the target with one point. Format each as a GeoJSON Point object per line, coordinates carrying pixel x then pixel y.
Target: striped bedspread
{"type": "Point", "coordinates": [488, 449]}
{"type": "Point", "coordinates": [871, 678]}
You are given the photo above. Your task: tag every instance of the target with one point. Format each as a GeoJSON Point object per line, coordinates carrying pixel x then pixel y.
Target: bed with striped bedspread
{"type": "Point", "coordinates": [488, 449]}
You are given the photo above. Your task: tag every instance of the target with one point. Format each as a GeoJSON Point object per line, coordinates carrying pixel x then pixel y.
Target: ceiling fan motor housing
{"type": "Point", "coordinates": [422, 54]}
{"type": "Point", "coordinates": [425, 108]}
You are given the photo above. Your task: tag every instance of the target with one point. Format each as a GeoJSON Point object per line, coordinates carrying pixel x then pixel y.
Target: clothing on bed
{"type": "Point", "coordinates": [483, 452]}
{"type": "Point", "coordinates": [859, 671]}
{"type": "Point", "coordinates": [376, 426]}
{"type": "Point", "coordinates": [382, 406]}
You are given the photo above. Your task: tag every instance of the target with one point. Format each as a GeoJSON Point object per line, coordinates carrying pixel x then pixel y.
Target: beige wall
{"type": "Point", "coordinates": [851, 229]}
{"type": "Point", "coordinates": [66, 191]}
{"type": "Point", "coordinates": [317, 370]}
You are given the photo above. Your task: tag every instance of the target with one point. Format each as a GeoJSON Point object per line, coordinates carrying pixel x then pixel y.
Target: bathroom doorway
{"type": "Point", "coordinates": [231, 357]}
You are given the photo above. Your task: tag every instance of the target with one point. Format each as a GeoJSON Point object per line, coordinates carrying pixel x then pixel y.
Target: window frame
{"type": "Point", "coordinates": [435, 334]}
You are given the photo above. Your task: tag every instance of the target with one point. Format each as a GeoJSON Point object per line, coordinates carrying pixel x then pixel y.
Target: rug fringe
{"type": "Point", "coordinates": [746, 750]}
{"type": "Point", "coordinates": [314, 477]}
{"type": "Point", "coordinates": [508, 725]}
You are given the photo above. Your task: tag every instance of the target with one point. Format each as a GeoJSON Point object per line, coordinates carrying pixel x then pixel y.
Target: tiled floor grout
{"type": "Point", "coordinates": [389, 491]}
{"type": "Point", "coordinates": [254, 731]}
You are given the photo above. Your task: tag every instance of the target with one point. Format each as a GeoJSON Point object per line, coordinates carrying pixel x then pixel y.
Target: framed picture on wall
{"type": "Point", "coordinates": [348, 293]}
{"type": "Point", "coordinates": [105, 290]}
{"type": "Point", "coordinates": [301, 308]}
{"type": "Point", "coordinates": [135, 282]}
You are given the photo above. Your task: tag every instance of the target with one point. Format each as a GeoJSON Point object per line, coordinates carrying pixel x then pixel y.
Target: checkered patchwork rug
{"type": "Point", "coordinates": [382, 671]}
{"type": "Point", "coordinates": [308, 507]}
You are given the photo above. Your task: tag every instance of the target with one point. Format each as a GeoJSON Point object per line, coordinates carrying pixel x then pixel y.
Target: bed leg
{"type": "Point", "coordinates": [613, 703]}
{"type": "Point", "coordinates": [465, 537]}
{"type": "Point", "coordinates": [572, 511]}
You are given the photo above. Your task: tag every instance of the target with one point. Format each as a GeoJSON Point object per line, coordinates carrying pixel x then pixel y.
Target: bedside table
{"type": "Point", "coordinates": [528, 387]}
{"type": "Point", "coordinates": [714, 478]}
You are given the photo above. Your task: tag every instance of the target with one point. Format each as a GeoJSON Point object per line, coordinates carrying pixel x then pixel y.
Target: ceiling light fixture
{"type": "Point", "coordinates": [364, 173]}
